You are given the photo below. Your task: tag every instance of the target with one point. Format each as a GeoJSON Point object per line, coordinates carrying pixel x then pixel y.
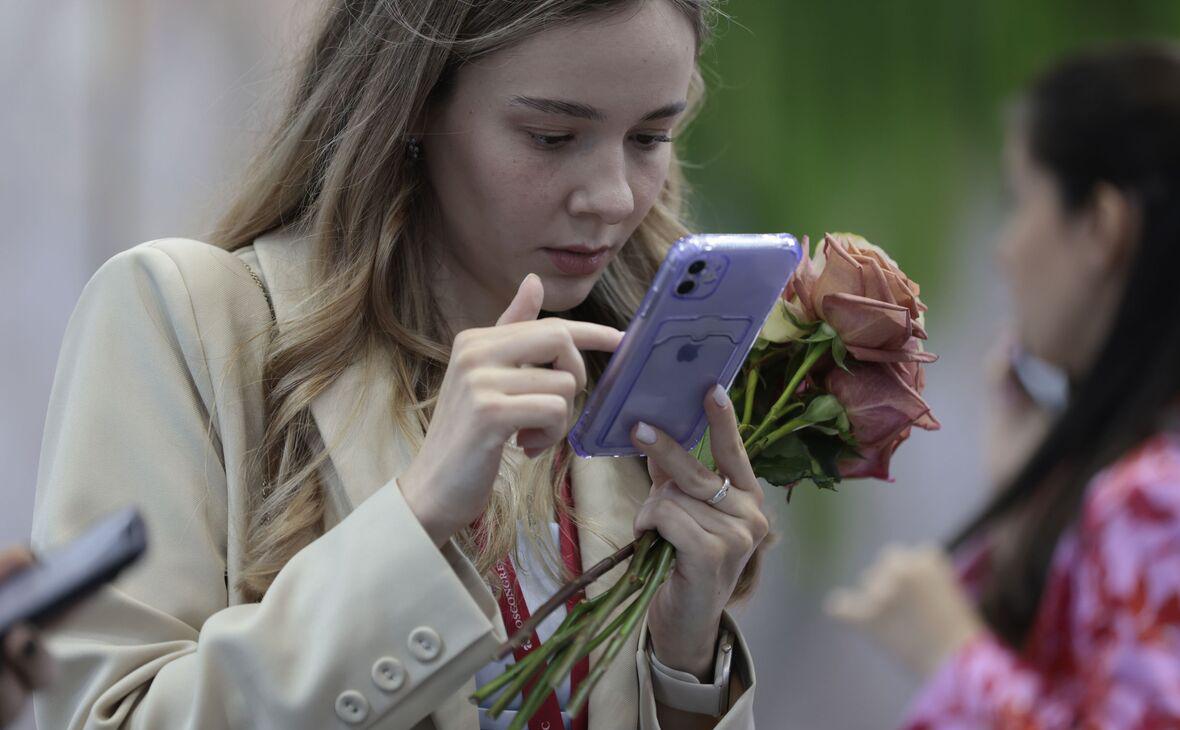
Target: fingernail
{"type": "Point", "coordinates": [645, 433]}
{"type": "Point", "coordinates": [720, 397]}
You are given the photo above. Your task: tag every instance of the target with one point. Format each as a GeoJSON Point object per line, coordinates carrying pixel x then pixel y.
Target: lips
{"type": "Point", "coordinates": [578, 261]}
{"type": "Point", "coordinates": [581, 249]}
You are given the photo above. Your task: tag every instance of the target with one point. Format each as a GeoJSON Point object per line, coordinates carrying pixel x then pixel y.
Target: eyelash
{"type": "Point", "coordinates": [554, 141]}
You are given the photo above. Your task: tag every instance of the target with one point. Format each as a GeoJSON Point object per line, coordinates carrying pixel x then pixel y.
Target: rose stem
{"type": "Point", "coordinates": [562, 634]}
{"type": "Point", "coordinates": [615, 597]}
{"type": "Point", "coordinates": [542, 688]}
{"type": "Point", "coordinates": [553, 672]}
{"type": "Point", "coordinates": [518, 673]}
{"type": "Point", "coordinates": [787, 428]}
{"type": "Point", "coordinates": [573, 623]}
{"type": "Point", "coordinates": [634, 614]}
{"type": "Point", "coordinates": [748, 406]}
{"type": "Point", "coordinates": [814, 353]}
{"type": "Point", "coordinates": [586, 578]}
{"type": "Point", "coordinates": [538, 694]}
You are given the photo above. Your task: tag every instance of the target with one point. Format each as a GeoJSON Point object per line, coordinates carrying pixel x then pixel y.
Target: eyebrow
{"type": "Point", "coordinates": [584, 111]}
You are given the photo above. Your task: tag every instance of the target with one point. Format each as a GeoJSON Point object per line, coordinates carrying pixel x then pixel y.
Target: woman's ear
{"type": "Point", "coordinates": [1110, 229]}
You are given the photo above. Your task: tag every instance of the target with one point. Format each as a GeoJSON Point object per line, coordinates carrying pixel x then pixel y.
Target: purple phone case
{"type": "Point", "coordinates": [679, 345]}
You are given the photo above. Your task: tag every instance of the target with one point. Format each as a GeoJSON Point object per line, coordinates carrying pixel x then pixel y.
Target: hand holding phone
{"type": "Point", "coordinates": [63, 576]}
{"type": "Point", "coordinates": [25, 666]}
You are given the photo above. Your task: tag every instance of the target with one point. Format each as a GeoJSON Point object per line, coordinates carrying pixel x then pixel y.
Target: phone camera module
{"type": "Point", "coordinates": [685, 287]}
{"type": "Point", "coordinates": [696, 266]}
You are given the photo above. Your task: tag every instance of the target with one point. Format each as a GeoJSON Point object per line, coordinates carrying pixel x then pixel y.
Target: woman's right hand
{"type": "Point", "coordinates": [491, 390]}
{"type": "Point", "coordinates": [24, 664]}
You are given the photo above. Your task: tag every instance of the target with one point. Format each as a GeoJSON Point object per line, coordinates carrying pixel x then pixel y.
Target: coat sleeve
{"type": "Point", "coordinates": [368, 626]}
{"type": "Point", "coordinates": [739, 716]}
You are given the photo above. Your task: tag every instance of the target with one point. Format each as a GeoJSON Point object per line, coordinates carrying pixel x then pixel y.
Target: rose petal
{"type": "Point", "coordinates": [841, 275]}
{"type": "Point", "coordinates": [905, 292]}
{"type": "Point", "coordinates": [868, 354]}
{"type": "Point", "coordinates": [873, 464]}
{"type": "Point", "coordinates": [879, 402]}
{"type": "Point", "coordinates": [873, 279]}
{"type": "Point", "coordinates": [914, 374]}
{"type": "Point", "coordinates": [863, 322]}
{"type": "Point", "coordinates": [802, 283]}
{"type": "Point", "coordinates": [778, 326]}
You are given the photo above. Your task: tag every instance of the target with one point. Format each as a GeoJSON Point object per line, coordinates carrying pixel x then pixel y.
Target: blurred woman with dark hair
{"type": "Point", "coordinates": [1066, 608]}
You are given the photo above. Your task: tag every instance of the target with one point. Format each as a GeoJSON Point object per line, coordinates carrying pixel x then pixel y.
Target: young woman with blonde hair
{"type": "Point", "coordinates": [344, 420]}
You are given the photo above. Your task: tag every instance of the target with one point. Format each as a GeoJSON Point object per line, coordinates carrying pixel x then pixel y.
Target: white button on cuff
{"type": "Point", "coordinates": [389, 674]}
{"type": "Point", "coordinates": [425, 644]}
{"type": "Point", "coordinates": [352, 707]}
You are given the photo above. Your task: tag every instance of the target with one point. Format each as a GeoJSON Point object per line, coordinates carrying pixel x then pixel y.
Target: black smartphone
{"type": "Point", "coordinates": [64, 575]}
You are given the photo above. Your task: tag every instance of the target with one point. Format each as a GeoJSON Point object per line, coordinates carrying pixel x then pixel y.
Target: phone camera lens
{"type": "Point", "coordinates": [685, 287]}
{"type": "Point", "coordinates": [696, 266]}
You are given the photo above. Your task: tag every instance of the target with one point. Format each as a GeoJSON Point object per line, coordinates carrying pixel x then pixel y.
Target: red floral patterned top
{"type": "Point", "coordinates": [1105, 649]}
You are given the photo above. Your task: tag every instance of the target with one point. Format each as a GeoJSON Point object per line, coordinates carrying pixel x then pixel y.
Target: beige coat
{"type": "Point", "coordinates": [157, 402]}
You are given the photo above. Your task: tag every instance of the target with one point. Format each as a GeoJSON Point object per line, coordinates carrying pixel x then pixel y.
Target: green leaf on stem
{"type": "Point", "coordinates": [798, 323]}
{"type": "Point", "coordinates": [783, 462]}
{"type": "Point", "coordinates": [840, 353]}
{"type": "Point", "coordinates": [703, 452]}
{"type": "Point", "coordinates": [826, 451]}
{"type": "Point", "coordinates": [822, 409]}
{"type": "Point", "coordinates": [823, 333]}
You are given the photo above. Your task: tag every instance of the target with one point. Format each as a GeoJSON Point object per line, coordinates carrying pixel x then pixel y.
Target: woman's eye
{"type": "Point", "coordinates": [651, 141]}
{"type": "Point", "coordinates": [550, 141]}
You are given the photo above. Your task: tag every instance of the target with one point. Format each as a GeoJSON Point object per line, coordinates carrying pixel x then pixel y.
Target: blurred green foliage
{"type": "Point", "coordinates": [883, 118]}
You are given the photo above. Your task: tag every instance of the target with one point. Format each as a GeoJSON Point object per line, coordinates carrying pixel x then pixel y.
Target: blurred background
{"type": "Point", "coordinates": [127, 120]}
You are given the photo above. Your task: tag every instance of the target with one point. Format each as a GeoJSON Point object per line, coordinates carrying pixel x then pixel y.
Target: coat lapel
{"type": "Point", "coordinates": [366, 448]}
{"type": "Point", "coordinates": [607, 493]}
{"type": "Point", "coordinates": [354, 414]}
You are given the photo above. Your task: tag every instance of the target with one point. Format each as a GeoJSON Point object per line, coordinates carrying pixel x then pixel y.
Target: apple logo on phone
{"type": "Point", "coordinates": [687, 352]}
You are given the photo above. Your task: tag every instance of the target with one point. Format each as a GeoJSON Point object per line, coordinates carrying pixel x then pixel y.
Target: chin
{"type": "Point", "coordinates": [565, 293]}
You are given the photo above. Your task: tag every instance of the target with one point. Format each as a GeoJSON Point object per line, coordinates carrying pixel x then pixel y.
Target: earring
{"type": "Point", "coordinates": [414, 149]}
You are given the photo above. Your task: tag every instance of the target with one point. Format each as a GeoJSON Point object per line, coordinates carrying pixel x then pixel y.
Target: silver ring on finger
{"type": "Point", "coordinates": [721, 493]}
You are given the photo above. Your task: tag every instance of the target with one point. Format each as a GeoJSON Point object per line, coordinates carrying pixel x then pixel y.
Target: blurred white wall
{"type": "Point", "coordinates": [122, 121]}
{"type": "Point", "coordinates": [119, 122]}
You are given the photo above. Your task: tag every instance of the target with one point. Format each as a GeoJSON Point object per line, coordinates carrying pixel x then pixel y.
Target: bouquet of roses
{"type": "Point", "coordinates": [831, 388]}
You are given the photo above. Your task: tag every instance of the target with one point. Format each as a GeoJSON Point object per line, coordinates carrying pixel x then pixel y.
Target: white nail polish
{"type": "Point", "coordinates": [720, 397]}
{"type": "Point", "coordinates": [645, 433]}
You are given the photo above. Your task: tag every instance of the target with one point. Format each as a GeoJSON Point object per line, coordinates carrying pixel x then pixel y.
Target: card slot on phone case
{"type": "Point", "coordinates": [702, 326]}
{"type": "Point", "coordinates": [701, 348]}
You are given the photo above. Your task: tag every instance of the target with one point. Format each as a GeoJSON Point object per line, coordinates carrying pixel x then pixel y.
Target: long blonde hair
{"type": "Point", "coordinates": [336, 167]}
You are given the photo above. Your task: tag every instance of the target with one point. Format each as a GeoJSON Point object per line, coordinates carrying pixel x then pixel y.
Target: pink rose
{"type": "Point", "coordinates": [864, 296]}
{"type": "Point", "coordinates": [884, 402]}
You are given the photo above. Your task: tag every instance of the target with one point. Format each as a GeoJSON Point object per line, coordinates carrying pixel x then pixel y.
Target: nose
{"type": "Point", "coordinates": [603, 190]}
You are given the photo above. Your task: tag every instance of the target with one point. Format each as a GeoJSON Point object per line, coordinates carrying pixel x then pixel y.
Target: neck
{"type": "Point", "coordinates": [464, 299]}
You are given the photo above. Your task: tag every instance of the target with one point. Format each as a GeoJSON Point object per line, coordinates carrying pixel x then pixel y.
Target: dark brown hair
{"type": "Point", "coordinates": [1107, 116]}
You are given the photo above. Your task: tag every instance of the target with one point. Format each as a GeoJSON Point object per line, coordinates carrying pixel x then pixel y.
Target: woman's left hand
{"type": "Point", "coordinates": [713, 542]}
{"type": "Point", "coordinates": [910, 602]}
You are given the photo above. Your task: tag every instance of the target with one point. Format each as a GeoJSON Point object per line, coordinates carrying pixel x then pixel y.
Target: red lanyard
{"type": "Point", "coordinates": [515, 612]}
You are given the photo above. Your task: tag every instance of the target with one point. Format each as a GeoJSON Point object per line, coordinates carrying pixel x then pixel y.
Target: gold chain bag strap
{"type": "Point", "coordinates": [258, 280]}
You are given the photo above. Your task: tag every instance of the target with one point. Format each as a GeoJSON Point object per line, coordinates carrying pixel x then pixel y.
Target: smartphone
{"type": "Point", "coordinates": [694, 328]}
{"type": "Point", "coordinates": [63, 576]}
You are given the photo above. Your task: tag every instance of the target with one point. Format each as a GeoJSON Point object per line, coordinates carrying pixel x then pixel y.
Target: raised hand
{"type": "Point", "coordinates": [492, 389]}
